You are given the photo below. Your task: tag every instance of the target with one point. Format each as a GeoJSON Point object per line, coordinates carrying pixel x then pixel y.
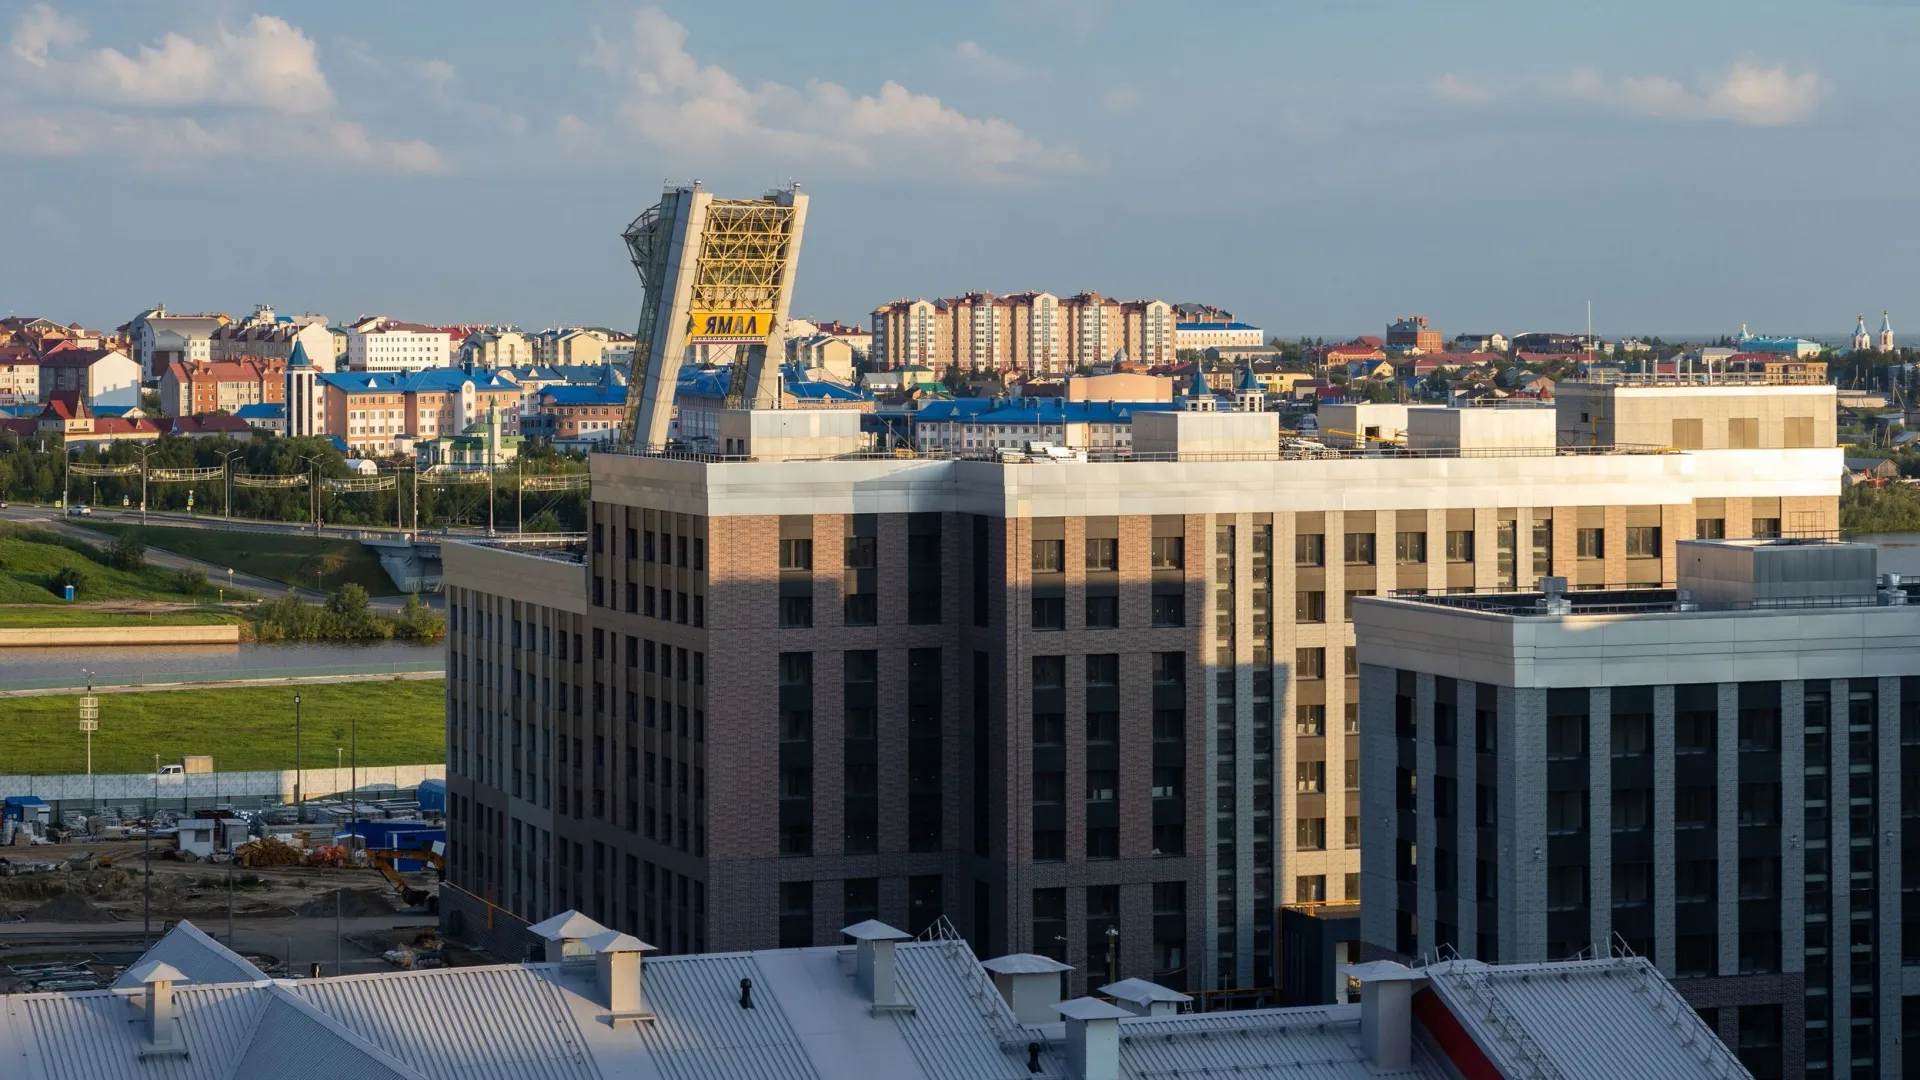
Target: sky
{"type": "Point", "coordinates": [1317, 167]}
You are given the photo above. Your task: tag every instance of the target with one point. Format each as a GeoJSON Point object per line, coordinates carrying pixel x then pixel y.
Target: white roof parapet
{"type": "Point", "coordinates": [875, 930]}
{"type": "Point", "coordinates": [1384, 971]}
{"type": "Point", "coordinates": [1087, 1008]}
{"type": "Point", "coordinates": [1024, 964]}
{"type": "Point", "coordinates": [1143, 992]}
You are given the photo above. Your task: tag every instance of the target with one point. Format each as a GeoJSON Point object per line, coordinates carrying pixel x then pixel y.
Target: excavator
{"type": "Point", "coordinates": [383, 859]}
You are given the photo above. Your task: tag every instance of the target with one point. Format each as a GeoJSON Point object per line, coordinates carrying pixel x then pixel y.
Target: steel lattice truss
{"type": "Point", "coordinates": [211, 472]}
{"type": "Point", "coordinates": [444, 477]}
{"type": "Point", "coordinates": [270, 480]}
{"type": "Point", "coordinates": [362, 483]}
{"type": "Point", "coordinates": [561, 482]}
{"type": "Point", "coordinates": [103, 470]}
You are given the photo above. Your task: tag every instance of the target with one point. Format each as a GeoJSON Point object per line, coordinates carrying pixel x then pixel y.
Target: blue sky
{"type": "Point", "coordinates": [1317, 166]}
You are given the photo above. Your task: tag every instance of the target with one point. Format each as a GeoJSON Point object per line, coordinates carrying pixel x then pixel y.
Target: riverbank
{"type": "Point", "coordinates": [400, 722]}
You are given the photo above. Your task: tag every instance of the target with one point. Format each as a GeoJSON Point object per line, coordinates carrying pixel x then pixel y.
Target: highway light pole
{"type": "Point", "coordinates": [226, 470]}
{"type": "Point", "coordinates": [298, 809]}
{"type": "Point", "coordinates": [313, 489]}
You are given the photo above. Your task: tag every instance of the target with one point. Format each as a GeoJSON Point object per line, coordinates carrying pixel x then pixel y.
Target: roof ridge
{"type": "Point", "coordinates": [277, 994]}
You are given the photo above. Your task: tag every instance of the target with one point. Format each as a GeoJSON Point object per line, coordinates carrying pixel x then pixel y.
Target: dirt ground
{"type": "Point", "coordinates": [183, 890]}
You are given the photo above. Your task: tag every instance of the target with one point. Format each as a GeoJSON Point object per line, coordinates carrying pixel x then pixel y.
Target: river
{"type": "Point", "coordinates": [34, 668]}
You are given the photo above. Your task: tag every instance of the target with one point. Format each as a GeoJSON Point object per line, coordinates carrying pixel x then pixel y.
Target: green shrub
{"type": "Point", "coordinates": [192, 581]}
{"type": "Point", "coordinates": [127, 553]}
{"type": "Point", "coordinates": [69, 575]}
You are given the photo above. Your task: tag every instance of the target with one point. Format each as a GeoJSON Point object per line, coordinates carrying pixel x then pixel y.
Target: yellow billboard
{"type": "Point", "coordinates": [729, 326]}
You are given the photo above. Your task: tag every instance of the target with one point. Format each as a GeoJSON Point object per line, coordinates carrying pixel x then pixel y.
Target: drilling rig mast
{"type": "Point", "coordinates": [713, 272]}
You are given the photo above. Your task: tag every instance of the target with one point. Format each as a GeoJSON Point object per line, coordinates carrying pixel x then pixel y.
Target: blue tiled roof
{"type": "Point", "coordinates": [263, 410]}
{"type": "Point", "coordinates": [714, 383]}
{"type": "Point", "coordinates": [431, 380]}
{"type": "Point", "coordinates": [568, 394]}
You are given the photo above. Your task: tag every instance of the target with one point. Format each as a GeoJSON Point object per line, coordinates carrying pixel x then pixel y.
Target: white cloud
{"type": "Point", "coordinates": [1743, 94]}
{"type": "Point", "coordinates": [974, 60]}
{"type": "Point", "coordinates": [41, 28]}
{"type": "Point", "coordinates": [703, 113]}
{"type": "Point", "coordinates": [258, 92]}
{"type": "Point", "coordinates": [1122, 99]}
{"type": "Point", "coordinates": [436, 73]}
{"type": "Point", "coordinates": [1453, 88]}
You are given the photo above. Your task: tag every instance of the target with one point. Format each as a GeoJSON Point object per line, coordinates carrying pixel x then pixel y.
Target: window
{"type": "Point", "coordinates": [1693, 807]}
{"type": "Point", "coordinates": [1310, 888]}
{"type": "Point", "coordinates": [1710, 529]}
{"type": "Point", "coordinates": [1310, 549]}
{"type": "Point", "coordinates": [1566, 738]}
{"type": "Point", "coordinates": [796, 554]}
{"type": "Point", "coordinates": [1050, 612]}
{"type": "Point", "coordinates": [1049, 556]}
{"type": "Point", "coordinates": [1169, 552]}
{"type": "Point", "coordinates": [1632, 809]}
{"type": "Point", "coordinates": [1460, 546]}
{"type": "Point", "coordinates": [1169, 667]}
{"type": "Point", "coordinates": [1643, 541]}
{"type": "Point", "coordinates": [1102, 784]}
{"type": "Point", "coordinates": [1766, 528]}
{"type": "Point", "coordinates": [1798, 431]}
{"type": "Point", "coordinates": [1759, 804]}
{"type": "Point", "coordinates": [1358, 550]}
{"type": "Point", "coordinates": [1169, 609]}
{"type": "Point", "coordinates": [1103, 612]}
{"type": "Point", "coordinates": [1353, 841]}
{"type": "Point", "coordinates": [1566, 888]}
{"type": "Point", "coordinates": [1310, 834]}
{"type": "Point", "coordinates": [1310, 720]}
{"type": "Point", "coordinates": [1351, 593]}
{"type": "Point", "coordinates": [1310, 663]}
{"type": "Point", "coordinates": [796, 611]}
{"type": "Point", "coordinates": [1591, 543]}
{"type": "Point", "coordinates": [796, 669]}
{"type": "Point", "coordinates": [1743, 432]}
{"type": "Point", "coordinates": [1310, 606]}
{"type": "Point", "coordinates": [1566, 812]}
{"type": "Point", "coordinates": [1632, 884]}
{"type": "Point", "coordinates": [1696, 881]}
{"type": "Point", "coordinates": [1687, 434]}
{"type": "Point", "coordinates": [860, 552]}
{"type": "Point", "coordinates": [1168, 780]}
{"type": "Point", "coordinates": [1310, 777]}
{"type": "Point", "coordinates": [1103, 553]}
{"type": "Point", "coordinates": [1410, 547]}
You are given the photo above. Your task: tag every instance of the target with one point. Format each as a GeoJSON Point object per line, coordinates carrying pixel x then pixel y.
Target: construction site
{"type": "Point", "coordinates": [295, 897]}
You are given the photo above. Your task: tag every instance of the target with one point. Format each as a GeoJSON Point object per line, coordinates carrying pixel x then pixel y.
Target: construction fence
{"type": "Point", "coordinates": [274, 785]}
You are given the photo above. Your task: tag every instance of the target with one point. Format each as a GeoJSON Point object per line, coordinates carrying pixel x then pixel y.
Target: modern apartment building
{"type": "Point", "coordinates": [1032, 332]}
{"type": "Point", "coordinates": [380, 344]}
{"type": "Point", "coordinates": [187, 388]}
{"type": "Point", "coordinates": [1044, 698]}
{"type": "Point", "coordinates": [1723, 779]}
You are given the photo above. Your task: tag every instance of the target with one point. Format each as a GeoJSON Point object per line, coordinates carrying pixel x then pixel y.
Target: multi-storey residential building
{"type": "Point", "coordinates": [1032, 332]}
{"type": "Point", "coordinates": [381, 344]}
{"type": "Point", "coordinates": [267, 335]}
{"type": "Point", "coordinates": [1205, 335]}
{"type": "Point", "coordinates": [1724, 778]}
{"type": "Point", "coordinates": [500, 347]}
{"type": "Point", "coordinates": [906, 332]}
{"type": "Point", "coordinates": [102, 377]}
{"type": "Point", "coordinates": [158, 338]}
{"type": "Point", "coordinates": [372, 412]}
{"type": "Point", "coordinates": [1147, 332]}
{"type": "Point", "coordinates": [1412, 335]}
{"type": "Point", "coordinates": [1045, 698]}
{"type": "Point", "coordinates": [19, 373]}
{"type": "Point", "coordinates": [221, 386]}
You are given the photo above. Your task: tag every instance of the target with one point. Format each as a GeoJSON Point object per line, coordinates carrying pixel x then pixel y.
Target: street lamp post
{"type": "Point", "coordinates": [299, 813]}
{"type": "Point", "coordinates": [90, 723]}
{"type": "Point", "coordinates": [313, 488]}
{"type": "Point", "coordinates": [226, 471]}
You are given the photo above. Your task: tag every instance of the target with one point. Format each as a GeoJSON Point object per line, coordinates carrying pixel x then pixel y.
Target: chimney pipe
{"type": "Point", "coordinates": [1029, 984]}
{"type": "Point", "coordinates": [163, 1037]}
{"type": "Point", "coordinates": [1093, 1037]}
{"type": "Point", "coordinates": [874, 964]}
{"type": "Point", "coordinates": [618, 974]}
{"type": "Point", "coordinates": [1386, 1012]}
{"type": "Point", "coordinates": [746, 993]}
{"type": "Point", "coordinates": [566, 934]}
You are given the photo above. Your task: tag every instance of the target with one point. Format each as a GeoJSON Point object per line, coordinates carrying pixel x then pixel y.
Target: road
{"type": "Point", "coordinates": [55, 520]}
{"type": "Point", "coordinates": [223, 684]}
{"type": "Point", "coordinates": [204, 521]}
{"type": "Point", "coordinates": [288, 937]}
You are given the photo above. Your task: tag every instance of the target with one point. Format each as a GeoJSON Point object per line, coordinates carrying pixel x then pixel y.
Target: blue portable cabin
{"type": "Point", "coordinates": [433, 796]}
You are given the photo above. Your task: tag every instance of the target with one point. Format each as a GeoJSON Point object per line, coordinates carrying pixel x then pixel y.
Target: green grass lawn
{"type": "Point", "coordinates": [27, 567]}
{"type": "Point", "coordinates": [18, 616]}
{"type": "Point", "coordinates": [401, 723]}
{"type": "Point", "coordinates": [315, 563]}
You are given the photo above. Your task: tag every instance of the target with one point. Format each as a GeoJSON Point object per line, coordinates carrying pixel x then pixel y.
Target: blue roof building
{"type": "Point", "coordinates": [983, 425]}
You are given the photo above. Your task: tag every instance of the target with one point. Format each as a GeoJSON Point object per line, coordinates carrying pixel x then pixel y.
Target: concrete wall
{"type": "Point", "coordinates": [43, 636]}
{"type": "Point", "coordinates": [314, 783]}
{"type": "Point", "coordinates": [1480, 429]}
{"type": "Point", "coordinates": [1644, 415]}
{"type": "Point", "coordinates": [1206, 433]}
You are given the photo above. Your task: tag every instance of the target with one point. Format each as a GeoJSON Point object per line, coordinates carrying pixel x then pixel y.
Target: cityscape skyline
{"type": "Point", "coordinates": [945, 158]}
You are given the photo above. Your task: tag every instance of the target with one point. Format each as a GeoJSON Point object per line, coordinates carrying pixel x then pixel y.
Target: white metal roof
{"type": "Point", "coordinates": [1604, 1019]}
{"type": "Point", "coordinates": [1142, 991]}
{"type": "Point", "coordinates": [197, 957]}
{"type": "Point", "coordinates": [809, 1020]}
{"type": "Point", "coordinates": [1024, 964]}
